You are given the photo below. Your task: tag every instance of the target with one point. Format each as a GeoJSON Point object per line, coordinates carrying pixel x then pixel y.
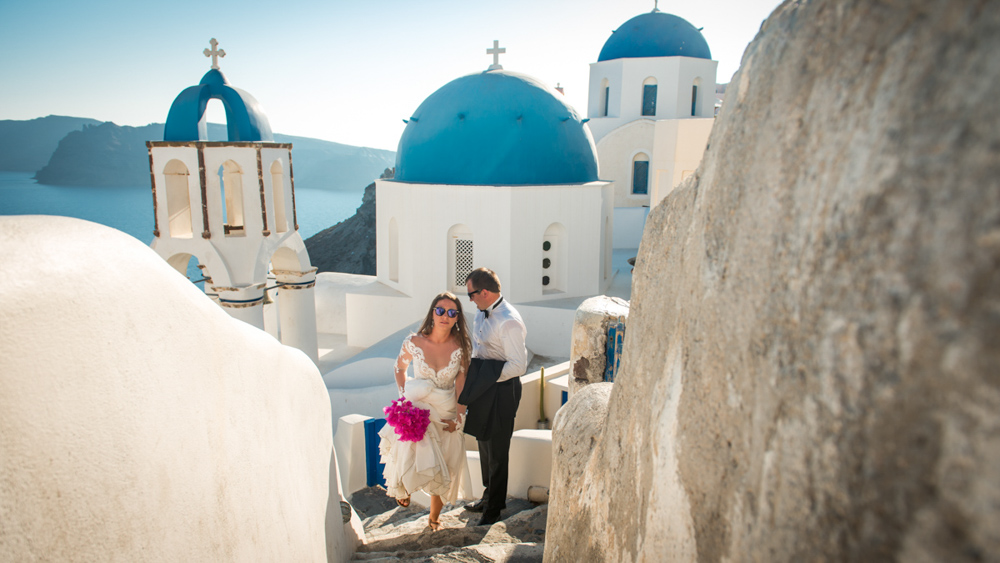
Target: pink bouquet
{"type": "Point", "coordinates": [409, 422]}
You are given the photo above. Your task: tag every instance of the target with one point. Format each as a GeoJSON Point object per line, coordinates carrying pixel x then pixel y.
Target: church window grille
{"type": "Point", "coordinates": [463, 260]}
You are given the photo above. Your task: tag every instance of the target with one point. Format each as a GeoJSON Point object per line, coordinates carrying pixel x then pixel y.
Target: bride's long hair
{"type": "Point", "coordinates": [459, 330]}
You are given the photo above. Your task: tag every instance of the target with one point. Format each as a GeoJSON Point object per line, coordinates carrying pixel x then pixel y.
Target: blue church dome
{"type": "Point", "coordinates": [245, 120]}
{"type": "Point", "coordinates": [496, 128]}
{"type": "Point", "coordinates": [655, 34]}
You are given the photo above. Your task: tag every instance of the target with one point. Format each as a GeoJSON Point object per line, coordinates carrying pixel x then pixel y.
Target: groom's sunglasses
{"type": "Point", "coordinates": [440, 311]}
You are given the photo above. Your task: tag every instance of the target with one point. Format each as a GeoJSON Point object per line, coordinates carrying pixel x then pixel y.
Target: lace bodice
{"type": "Point", "coordinates": [442, 379]}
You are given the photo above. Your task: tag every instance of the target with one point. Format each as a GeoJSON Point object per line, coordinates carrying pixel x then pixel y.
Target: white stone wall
{"type": "Point", "coordinates": [508, 225]}
{"type": "Point", "coordinates": [138, 421]}
{"type": "Point", "coordinates": [679, 145]}
{"type": "Point", "coordinates": [616, 152]}
{"type": "Point", "coordinates": [674, 148]}
{"type": "Point", "coordinates": [674, 78]}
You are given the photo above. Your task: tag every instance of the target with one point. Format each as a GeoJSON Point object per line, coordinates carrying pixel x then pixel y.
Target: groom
{"type": "Point", "coordinates": [497, 340]}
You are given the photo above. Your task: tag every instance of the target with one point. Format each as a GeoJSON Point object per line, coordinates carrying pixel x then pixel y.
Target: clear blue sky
{"type": "Point", "coordinates": [342, 70]}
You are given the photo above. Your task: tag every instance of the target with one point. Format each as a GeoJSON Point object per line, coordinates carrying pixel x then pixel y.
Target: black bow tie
{"type": "Point", "coordinates": [486, 312]}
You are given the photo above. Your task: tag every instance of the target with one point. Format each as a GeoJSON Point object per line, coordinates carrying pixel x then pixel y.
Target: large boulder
{"type": "Point", "coordinates": [811, 366]}
{"type": "Point", "coordinates": [140, 422]}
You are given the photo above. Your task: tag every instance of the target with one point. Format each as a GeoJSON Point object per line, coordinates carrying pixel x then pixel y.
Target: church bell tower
{"type": "Point", "coordinates": [231, 205]}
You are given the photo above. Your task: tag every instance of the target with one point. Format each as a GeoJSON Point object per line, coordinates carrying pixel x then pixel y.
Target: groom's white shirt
{"type": "Point", "coordinates": [501, 337]}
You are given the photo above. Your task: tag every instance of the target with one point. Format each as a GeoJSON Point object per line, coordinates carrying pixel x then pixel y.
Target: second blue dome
{"type": "Point", "coordinates": [496, 128]}
{"type": "Point", "coordinates": [655, 34]}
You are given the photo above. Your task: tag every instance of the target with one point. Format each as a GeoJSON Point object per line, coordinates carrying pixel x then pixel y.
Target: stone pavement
{"type": "Point", "coordinates": [402, 534]}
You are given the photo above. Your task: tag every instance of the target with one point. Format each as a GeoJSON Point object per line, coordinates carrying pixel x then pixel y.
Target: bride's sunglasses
{"type": "Point", "coordinates": [440, 311]}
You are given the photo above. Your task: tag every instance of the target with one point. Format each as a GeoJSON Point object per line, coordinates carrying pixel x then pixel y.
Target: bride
{"type": "Point", "coordinates": [440, 352]}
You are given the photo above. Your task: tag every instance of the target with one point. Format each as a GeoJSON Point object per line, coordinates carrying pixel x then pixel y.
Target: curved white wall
{"type": "Point", "coordinates": [138, 421]}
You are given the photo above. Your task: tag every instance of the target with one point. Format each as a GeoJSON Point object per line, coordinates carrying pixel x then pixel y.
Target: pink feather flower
{"type": "Point", "coordinates": [408, 421]}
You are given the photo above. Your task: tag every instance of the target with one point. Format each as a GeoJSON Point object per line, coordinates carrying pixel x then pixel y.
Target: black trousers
{"type": "Point", "coordinates": [495, 452]}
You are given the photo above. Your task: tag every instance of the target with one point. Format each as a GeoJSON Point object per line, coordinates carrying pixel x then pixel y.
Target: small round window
{"type": "Point", "coordinates": [545, 280]}
{"type": "Point", "coordinates": [546, 245]}
{"type": "Point", "coordinates": [546, 263]}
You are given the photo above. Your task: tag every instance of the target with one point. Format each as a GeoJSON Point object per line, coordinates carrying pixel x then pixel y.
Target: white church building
{"type": "Point", "coordinates": [493, 169]}
{"type": "Point", "coordinates": [651, 106]}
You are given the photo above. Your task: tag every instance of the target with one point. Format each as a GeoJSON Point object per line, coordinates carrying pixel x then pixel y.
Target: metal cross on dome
{"type": "Point", "coordinates": [214, 53]}
{"type": "Point", "coordinates": [656, 5]}
{"type": "Point", "coordinates": [495, 51]}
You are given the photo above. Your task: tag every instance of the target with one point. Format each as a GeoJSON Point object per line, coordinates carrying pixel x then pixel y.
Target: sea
{"type": "Point", "coordinates": [130, 209]}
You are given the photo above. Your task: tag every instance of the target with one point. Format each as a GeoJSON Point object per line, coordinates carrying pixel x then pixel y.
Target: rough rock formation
{"type": "Point", "coordinates": [349, 246]}
{"type": "Point", "coordinates": [811, 368]}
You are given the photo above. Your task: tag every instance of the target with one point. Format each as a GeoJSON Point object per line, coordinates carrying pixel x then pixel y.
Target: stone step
{"type": "Point", "coordinates": [394, 533]}
{"type": "Point", "coordinates": [485, 553]}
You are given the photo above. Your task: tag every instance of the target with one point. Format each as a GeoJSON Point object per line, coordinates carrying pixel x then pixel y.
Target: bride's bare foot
{"type": "Point", "coordinates": [435, 525]}
{"type": "Point", "coordinates": [404, 502]}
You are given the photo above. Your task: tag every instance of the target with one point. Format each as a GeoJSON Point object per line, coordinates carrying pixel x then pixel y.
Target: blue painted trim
{"type": "Point", "coordinates": [296, 283]}
{"type": "Point", "coordinates": [609, 355]}
{"type": "Point", "coordinates": [565, 397]}
{"type": "Point", "coordinates": [374, 468]}
{"type": "Point", "coordinates": [241, 300]}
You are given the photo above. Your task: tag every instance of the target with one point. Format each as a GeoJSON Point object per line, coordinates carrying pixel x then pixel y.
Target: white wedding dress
{"type": "Point", "coordinates": [435, 464]}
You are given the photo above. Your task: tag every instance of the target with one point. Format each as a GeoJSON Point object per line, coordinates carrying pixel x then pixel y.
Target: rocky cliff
{"type": "Point", "coordinates": [349, 246]}
{"type": "Point", "coordinates": [101, 155]}
{"type": "Point", "coordinates": [811, 366]}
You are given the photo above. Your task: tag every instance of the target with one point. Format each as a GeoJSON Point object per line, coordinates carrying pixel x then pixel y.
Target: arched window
{"type": "Point", "coordinates": [649, 96]}
{"type": "Point", "coordinates": [603, 101]}
{"type": "Point", "coordinates": [640, 174]}
{"type": "Point", "coordinates": [175, 174]}
{"type": "Point", "coordinates": [231, 182]}
{"type": "Point", "coordinates": [278, 189]}
{"type": "Point", "coordinates": [460, 256]}
{"type": "Point", "coordinates": [554, 258]}
{"type": "Point", "coordinates": [695, 106]}
{"type": "Point", "coordinates": [394, 250]}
